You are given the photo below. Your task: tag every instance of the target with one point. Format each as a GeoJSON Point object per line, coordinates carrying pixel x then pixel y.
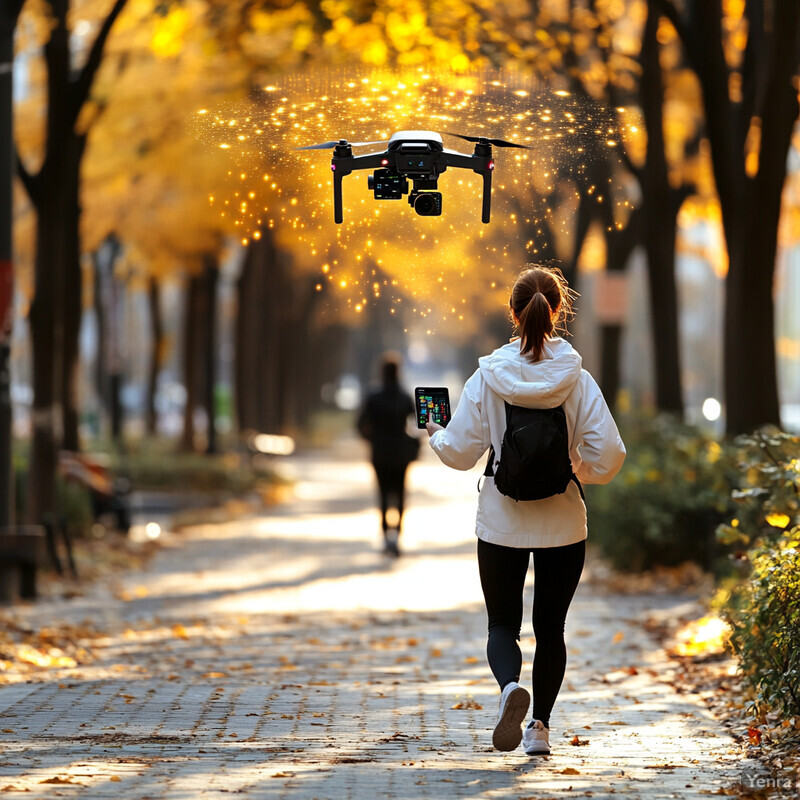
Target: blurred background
{"type": "Point", "coordinates": [174, 284]}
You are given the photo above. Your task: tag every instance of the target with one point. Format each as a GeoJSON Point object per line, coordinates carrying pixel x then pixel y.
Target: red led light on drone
{"type": "Point", "coordinates": [384, 162]}
{"type": "Point", "coordinates": [333, 167]}
{"type": "Point", "coordinates": [491, 165]}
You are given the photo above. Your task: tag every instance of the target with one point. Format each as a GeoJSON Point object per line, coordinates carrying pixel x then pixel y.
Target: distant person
{"type": "Point", "coordinates": [382, 422]}
{"type": "Point", "coordinates": [540, 371]}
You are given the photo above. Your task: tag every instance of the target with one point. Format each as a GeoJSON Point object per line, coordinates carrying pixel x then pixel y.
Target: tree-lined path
{"type": "Point", "coordinates": [284, 656]}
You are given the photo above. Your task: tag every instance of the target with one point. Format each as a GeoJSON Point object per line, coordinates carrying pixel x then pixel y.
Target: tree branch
{"type": "Point", "coordinates": [83, 85]}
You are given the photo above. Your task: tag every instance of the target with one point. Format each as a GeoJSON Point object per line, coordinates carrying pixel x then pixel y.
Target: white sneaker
{"type": "Point", "coordinates": [514, 702]}
{"type": "Point", "coordinates": [536, 739]}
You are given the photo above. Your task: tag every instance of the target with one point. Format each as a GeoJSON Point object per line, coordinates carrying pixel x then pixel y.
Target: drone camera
{"type": "Point", "coordinates": [387, 185]}
{"type": "Point", "coordinates": [427, 204]}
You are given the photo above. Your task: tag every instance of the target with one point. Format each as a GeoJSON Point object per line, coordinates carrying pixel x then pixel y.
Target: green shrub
{"type": "Point", "coordinates": [763, 609]}
{"type": "Point", "coordinates": [666, 502]}
{"type": "Point", "coordinates": [765, 497]}
{"type": "Point", "coordinates": [764, 614]}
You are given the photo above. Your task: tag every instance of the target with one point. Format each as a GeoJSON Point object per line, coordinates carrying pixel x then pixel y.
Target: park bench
{"type": "Point", "coordinates": [110, 496]}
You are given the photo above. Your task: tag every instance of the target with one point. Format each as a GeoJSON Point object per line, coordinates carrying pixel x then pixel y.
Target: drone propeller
{"type": "Point", "coordinates": [484, 140]}
{"type": "Point", "coordinates": [343, 142]}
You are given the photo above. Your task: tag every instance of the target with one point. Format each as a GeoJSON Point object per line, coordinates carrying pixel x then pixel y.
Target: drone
{"type": "Point", "coordinates": [416, 156]}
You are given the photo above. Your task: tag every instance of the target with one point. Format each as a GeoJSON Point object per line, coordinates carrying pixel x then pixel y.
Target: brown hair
{"type": "Point", "coordinates": [542, 302]}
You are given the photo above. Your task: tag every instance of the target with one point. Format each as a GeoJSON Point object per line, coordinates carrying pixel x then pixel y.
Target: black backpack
{"type": "Point", "coordinates": [534, 455]}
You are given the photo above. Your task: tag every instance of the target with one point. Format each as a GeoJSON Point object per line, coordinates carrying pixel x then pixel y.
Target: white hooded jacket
{"type": "Point", "coordinates": [596, 449]}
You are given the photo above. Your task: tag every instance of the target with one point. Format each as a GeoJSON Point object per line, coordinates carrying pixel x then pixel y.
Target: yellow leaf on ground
{"type": "Point", "coordinates": [53, 659]}
{"type": "Point", "coordinates": [618, 637]}
{"type": "Point", "coordinates": [468, 703]}
{"type": "Point", "coordinates": [569, 771]}
{"type": "Point", "coordinates": [471, 660]}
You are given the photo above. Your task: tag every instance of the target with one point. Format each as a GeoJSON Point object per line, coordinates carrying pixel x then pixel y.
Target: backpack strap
{"type": "Point", "coordinates": [578, 484]}
{"type": "Point", "coordinates": [488, 472]}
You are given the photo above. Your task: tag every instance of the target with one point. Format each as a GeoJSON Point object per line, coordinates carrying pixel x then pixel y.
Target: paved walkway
{"type": "Point", "coordinates": [285, 657]}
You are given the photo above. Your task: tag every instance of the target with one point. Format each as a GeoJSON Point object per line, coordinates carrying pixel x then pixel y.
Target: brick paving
{"type": "Point", "coordinates": [285, 657]}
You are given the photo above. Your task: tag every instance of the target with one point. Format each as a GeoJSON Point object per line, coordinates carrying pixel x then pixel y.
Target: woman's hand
{"type": "Point", "coordinates": [432, 427]}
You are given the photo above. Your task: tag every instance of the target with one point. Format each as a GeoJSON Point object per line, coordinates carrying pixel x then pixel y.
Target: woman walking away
{"type": "Point", "coordinates": [531, 501]}
{"type": "Point", "coordinates": [382, 423]}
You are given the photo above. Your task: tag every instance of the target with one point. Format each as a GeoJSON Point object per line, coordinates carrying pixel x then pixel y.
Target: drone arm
{"type": "Point", "coordinates": [368, 161]}
{"type": "Point", "coordinates": [338, 214]}
{"type": "Point", "coordinates": [483, 166]}
{"type": "Point", "coordinates": [344, 166]}
{"type": "Point", "coordinates": [487, 196]}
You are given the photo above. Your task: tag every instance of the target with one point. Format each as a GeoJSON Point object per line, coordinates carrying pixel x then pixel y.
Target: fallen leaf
{"type": "Point", "coordinates": [7, 730]}
{"type": "Point", "coordinates": [468, 703]}
{"type": "Point", "coordinates": [471, 660]}
{"type": "Point", "coordinates": [569, 771]}
{"type": "Point", "coordinates": [436, 653]}
{"type": "Point", "coordinates": [61, 781]}
{"type": "Point", "coordinates": [754, 736]}
{"type": "Point", "coordinates": [282, 775]}
{"type": "Point", "coordinates": [12, 788]}
{"type": "Point", "coordinates": [575, 741]}
{"type": "Point", "coordinates": [180, 631]}
{"type": "Point", "coordinates": [115, 779]}
{"type": "Point", "coordinates": [54, 658]}
{"type": "Point", "coordinates": [618, 637]}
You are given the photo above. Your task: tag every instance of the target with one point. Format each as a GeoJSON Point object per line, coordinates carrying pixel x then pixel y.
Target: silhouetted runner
{"type": "Point", "coordinates": [535, 371]}
{"type": "Point", "coordinates": [382, 422]}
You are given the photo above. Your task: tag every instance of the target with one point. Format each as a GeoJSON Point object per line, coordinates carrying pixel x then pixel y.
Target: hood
{"type": "Point", "coordinates": [542, 384]}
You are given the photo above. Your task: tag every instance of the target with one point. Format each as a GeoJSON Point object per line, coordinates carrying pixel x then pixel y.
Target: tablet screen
{"type": "Point", "coordinates": [433, 405]}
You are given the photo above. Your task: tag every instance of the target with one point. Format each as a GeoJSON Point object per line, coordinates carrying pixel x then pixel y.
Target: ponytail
{"type": "Point", "coordinates": [541, 301]}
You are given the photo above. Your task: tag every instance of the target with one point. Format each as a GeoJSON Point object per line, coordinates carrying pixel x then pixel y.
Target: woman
{"type": "Point", "coordinates": [535, 370]}
{"type": "Point", "coordinates": [382, 423]}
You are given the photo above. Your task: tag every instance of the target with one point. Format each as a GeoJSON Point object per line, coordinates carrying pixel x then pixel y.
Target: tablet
{"type": "Point", "coordinates": [433, 405]}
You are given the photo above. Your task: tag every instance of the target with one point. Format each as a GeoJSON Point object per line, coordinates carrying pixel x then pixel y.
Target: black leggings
{"type": "Point", "coordinates": [391, 488]}
{"type": "Point", "coordinates": [557, 571]}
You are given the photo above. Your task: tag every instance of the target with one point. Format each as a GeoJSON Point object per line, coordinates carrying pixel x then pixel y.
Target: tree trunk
{"type": "Point", "coordinates": [661, 204]}
{"type": "Point", "coordinates": [157, 352]}
{"type": "Point", "coordinates": [749, 193]}
{"type": "Point", "coordinates": [246, 383]}
{"type": "Point", "coordinates": [8, 22]}
{"type": "Point", "coordinates": [190, 371]}
{"type": "Point", "coordinates": [751, 387]}
{"type": "Point", "coordinates": [47, 308]}
{"type": "Point", "coordinates": [208, 314]}
{"type": "Point", "coordinates": [67, 91]}
{"type": "Point", "coordinates": [72, 296]}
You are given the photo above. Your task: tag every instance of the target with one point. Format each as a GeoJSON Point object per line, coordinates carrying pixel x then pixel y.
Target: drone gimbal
{"type": "Point", "coordinates": [416, 156]}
